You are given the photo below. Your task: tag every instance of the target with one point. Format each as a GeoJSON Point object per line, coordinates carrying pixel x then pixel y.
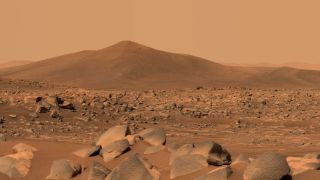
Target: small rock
{"type": "Point", "coordinates": [20, 147]}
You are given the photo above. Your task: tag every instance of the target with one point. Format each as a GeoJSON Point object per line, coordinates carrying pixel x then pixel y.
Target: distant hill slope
{"type": "Point", "coordinates": [129, 65]}
{"type": "Point", "coordinates": [8, 64]}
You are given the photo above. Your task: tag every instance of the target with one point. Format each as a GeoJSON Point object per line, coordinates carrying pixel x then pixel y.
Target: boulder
{"type": "Point", "coordinates": [214, 153]}
{"type": "Point", "coordinates": [98, 171]}
{"type": "Point", "coordinates": [153, 136]}
{"type": "Point", "coordinates": [267, 166]}
{"type": "Point", "coordinates": [114, 149]}
{"type": "Point", "coordinates": [14, 168]}
{"type": "Point", "coordinates": [113, 134]}
{"type": "Point", "coordinates": [88, 151]}
{"type": "Point", "coordinates": [221, 173]}
{"type": "Point", "coordinates": [134, 168]}
{"type": "Point", "coordinates": [183, 150]}
{"type": "Point", "coordinates": [186, 164]}
{"type": "Point", "coordinates": [20, 147]}
{"type": "Point", "coordinates": [62, 169]}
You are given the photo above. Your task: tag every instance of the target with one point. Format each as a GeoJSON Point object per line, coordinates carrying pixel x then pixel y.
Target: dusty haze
{"type": "Point", "coordinates": [222, 31]}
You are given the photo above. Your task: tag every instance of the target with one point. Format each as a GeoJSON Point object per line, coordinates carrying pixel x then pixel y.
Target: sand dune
{"type": "Point", "coordinates": [129, 65]}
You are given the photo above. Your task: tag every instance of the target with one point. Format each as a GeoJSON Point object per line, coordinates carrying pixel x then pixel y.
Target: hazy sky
{"type": "Point", "coordinates": [237, 31]}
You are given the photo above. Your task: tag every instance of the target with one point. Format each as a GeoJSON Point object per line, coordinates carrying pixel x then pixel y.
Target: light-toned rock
{"type": "Point", "coordinates": [134, 168]}
{"type": "Point", "coordinates": [186, 164]}
{"type": "Point", "coordinates": [88, 151]}
{"type": "Point", "coordinates": [21, 147]}
{"type": "Point", "coordinates": [133, 139]}
{"type": "Point", "coordinates": [153, 136]}
{"type": "Point", "coordinates": [266, 167]}
{"type": "Point", "coordinates": [62, 169]}
{"type": "Point", "coordinates": [114, 150]}
{"type": "Point", "coordinates": [183, 150]}
{"type": "Point", "coordinates": [113, 134]}
{"type": "Point", "coordinates": [14, 168]}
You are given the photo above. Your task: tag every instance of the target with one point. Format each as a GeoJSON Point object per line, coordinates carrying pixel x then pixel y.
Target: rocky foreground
{"type": "Point", "coordinates": [183, 160]}
{"type": "Point", "coordinates": [61, 132]}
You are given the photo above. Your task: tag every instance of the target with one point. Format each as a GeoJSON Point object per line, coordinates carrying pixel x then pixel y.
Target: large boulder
{"type": "Point", "coordinates": [88, 151]}
{"type": "Point", "coordinates": [113, 134]}
{"type": "Point", "coordinates": [221, 173]}
{"type": "Point", "coordinates": [114, 149]}
{"type": "Point", "coordinates": [134, 168]}
{"type": "Point", "coordinates": [98, 171]}
{"type": "Point", "coordinates": [267, 166]}
{"type": "Point", "coordinates": [14, 168]}
{"type": "Point", "coordinates": [153, 136]}
{"type": "Point", "coordinates": [63, 169]}
{"type": "Point", "coordinates": [187, 164]}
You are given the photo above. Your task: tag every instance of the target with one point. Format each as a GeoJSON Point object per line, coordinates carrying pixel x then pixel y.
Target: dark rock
{"type": "Point", "coordinates": [98, 171]}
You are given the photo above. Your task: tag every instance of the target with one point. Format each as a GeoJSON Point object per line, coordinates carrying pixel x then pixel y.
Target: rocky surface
{"type": "Point", "coordinates": [204, 128]}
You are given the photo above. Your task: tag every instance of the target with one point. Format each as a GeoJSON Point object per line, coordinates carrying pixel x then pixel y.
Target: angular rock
{"type": "Point", "coordinates": [267, 166]}
{"type": "Point", "coordinates": [20, 147]}
{"type": "Point", "coordinates": [183, 150]}
{"type": "Point", "coordinates": [113, 134]}
{"type": "Point", "coordinates": [88, 151]}
{"type": "Point", "coordinates": [62, 169]}
{"type": "Point", "coordinates": [153, 136]}
{"type": "Point", "coordinates": [114, 150]}
{"type": "Point", "coordinates": [134, 168]}
{"type": "Point", "coordinates": [187, 164]}
{"type": "Point", "coordinates": [98, 171]}
{"type": "Point", "coordinates": [221, 173]}
{"type": "Point", "coordinates": [214, 152]}
{"type": "Point", "coordinates": [14, 168]}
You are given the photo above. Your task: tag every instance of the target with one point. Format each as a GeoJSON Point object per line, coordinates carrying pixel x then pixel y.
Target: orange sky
{"type": "Point", "coordinates": [230, 31]}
